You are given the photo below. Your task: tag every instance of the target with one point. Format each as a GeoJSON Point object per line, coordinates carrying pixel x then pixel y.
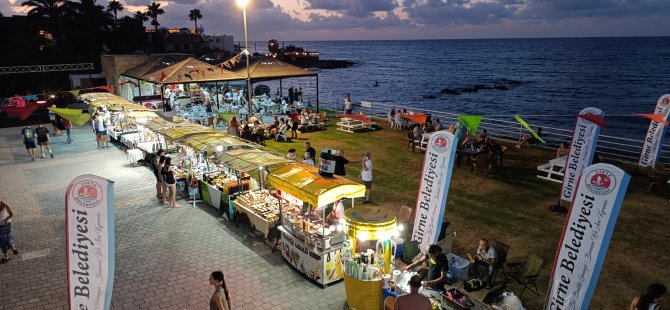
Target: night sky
{"type": "Point", "coordinates": [412, 19]}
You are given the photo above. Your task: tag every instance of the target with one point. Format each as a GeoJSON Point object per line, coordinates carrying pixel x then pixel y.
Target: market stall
{"type": "Point", "coordinates": [369, 270]}
{"type": "Point", "coordinates": [259, 206]}
{"type": "Point", "coordinates": [311, 223]}
{"type": "Point", "coordinates": [128, 122]}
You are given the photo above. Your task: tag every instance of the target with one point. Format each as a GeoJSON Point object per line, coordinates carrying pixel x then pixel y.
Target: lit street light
{"type": "Point", "coordinates": [243, 4]}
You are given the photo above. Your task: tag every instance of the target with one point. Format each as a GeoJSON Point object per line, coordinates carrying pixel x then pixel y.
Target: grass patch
{"type": "Point", "coordinates": [512, 205]}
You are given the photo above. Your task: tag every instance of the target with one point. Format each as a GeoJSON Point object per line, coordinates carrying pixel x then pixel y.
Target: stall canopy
{"type": "Point", "coordinates": [268, 68]}
{"type": "Point", "coordinates": [160, 123]}
{"type": "Point", "coordinates": [207, 141]}
{"type": "Point", "coordinates": [190, 70]}
{"type": "Point", "coordinates": [76, 116]}
{"type": "Point", "coordinates": [22, 113]}
{"type": "Point", "coordinates": [249, 160]}
{"type": "Point", "coordinates": [179, 132]}
{"type": "Point", "coordinates": [128, 107]}
{"type": "Point", "coordinates": [154, 65]}
{"type": "Point", "coordinates": [303, 181]}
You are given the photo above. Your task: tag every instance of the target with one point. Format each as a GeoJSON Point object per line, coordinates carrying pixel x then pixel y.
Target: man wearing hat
{"type": "Point", "coordinates": [413, 300]}
{"type": "Point", "coordinates": [366, 174]}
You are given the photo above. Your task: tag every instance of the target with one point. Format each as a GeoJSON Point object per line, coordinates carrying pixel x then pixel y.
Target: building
{"type": "Point", "coordinates": [220, 42]}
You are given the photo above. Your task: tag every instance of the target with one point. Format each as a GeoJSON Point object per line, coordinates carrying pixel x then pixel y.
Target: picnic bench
{"type": "Point", "coordinates": [353, 122]}
{"type": "Point", "coordinates": [553, 170]}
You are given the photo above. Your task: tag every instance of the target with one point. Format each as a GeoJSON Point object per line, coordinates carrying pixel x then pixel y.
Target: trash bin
{"type": "Point", "coordinates": [458, 267]}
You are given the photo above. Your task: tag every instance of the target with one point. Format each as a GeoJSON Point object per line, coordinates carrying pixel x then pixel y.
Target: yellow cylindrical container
{"type": "Point", "coordinates": [363, 295]}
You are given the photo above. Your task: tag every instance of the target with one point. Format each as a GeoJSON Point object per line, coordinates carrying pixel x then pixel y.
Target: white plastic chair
{"type": "Point", "coordinates": [281, 134]}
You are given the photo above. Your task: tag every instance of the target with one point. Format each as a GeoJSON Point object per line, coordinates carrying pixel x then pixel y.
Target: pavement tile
{"type": "Point", "coordinates": [163, 256]}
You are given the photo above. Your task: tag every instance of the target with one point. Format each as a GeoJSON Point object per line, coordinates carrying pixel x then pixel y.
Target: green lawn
{"type": "Point", "coordinates": [512, 205]}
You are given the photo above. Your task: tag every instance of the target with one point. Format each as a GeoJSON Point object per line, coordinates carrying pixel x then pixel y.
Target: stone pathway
{"type": "Point", "coordinates": [163, 256]}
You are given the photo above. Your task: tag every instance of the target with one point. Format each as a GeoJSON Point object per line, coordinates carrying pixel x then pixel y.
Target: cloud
{"type": "Point", "coordinates": [347, 19]}
{"type": "Point", "coordinates": [355, 8]}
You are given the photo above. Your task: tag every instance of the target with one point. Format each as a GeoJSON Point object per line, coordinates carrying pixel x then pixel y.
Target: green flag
{"type": "Point", "coordinates": [523, 123]}
{"type": "Point", "coordinates": [188, 76]}
{"type": "Point", "coordinates": [73, 115]}
{"type": "Point", "coordinates": [470, 121]}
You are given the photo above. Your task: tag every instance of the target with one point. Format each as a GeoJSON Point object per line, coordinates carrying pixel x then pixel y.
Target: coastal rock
{"type": "Point", "coordinates": [449, 91]}
{"type": "Point", "coordinates": [429, 97]}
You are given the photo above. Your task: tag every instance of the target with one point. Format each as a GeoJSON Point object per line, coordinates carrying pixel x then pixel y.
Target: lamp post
{"type": "Point", "coordinates": [243, 4]}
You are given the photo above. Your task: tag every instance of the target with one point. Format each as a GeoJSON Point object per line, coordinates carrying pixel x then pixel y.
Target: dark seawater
{"type": "Point", "coordinates": [558, 76]}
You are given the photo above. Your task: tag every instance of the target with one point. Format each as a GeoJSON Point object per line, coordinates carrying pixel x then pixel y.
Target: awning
{"type": "Point", "coordinates": [76, 116]}
{"type": "Point", "coordinates": [248, 160]}
{"type": "Point", "coordinates": [128, 106]}
{"type": "Point", "coordinates": [22, 113]}
{"type": "Point", "coordinates": [176, 133]}
{"type": "Point", "coordinates": [304, 182]}
{"type": "Point", "coordinates": [160, 123]}
{"type": "Point", "coordinates": [141, 114]}
{"type": "Point", "coordinates": [207, 141]}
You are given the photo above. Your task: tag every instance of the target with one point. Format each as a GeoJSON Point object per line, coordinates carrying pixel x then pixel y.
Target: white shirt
{"type": "Point", "coordinates": [347, 104]}
{"type": "Point", "coordinates": [366, 174]}
{"type": "Point", "coordinates": [3, 215]}
{"type": "Point", "coordinates": [308, 161]}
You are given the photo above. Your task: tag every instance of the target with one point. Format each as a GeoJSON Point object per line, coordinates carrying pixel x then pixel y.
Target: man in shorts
{"type": "Point", "coordinates": [366, 175]}
{"type": "Point", "coordinates": [43, 139]}
{"type": "Point", "coordinates": [28, 134]}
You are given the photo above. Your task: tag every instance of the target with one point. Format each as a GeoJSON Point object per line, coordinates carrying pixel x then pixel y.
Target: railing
{"type": "Point", "coordinates": [613, 147]}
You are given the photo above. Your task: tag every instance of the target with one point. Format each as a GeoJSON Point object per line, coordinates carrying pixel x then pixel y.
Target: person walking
{"type": "Point", "coordinates": [366, 174]}
{"type": "Point", "coordinates": [43, 139]}
{"type": "Point", "coordinates": [221, 298]}
{"type": "Point", "coordinates": [68, 130]}
{"type": "Point", "coordinates": [6, 238]}
{"type": "Point", "coordinates": [54, 122]}
{"type": "Point", "coordinates": [170, 181]}
{"type": "Point", "coordinates": [28, 134]}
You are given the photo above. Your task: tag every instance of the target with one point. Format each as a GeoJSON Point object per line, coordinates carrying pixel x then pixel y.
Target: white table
{"type": "Point", "coordinates": [134, 156]}
{"type": "Point", "coordinates": [351, 125]}
{"type": "Point", "coordinates": [553, 170]}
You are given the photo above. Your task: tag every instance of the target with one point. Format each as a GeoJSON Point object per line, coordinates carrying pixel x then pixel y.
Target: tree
{"type": "Point", "coordinates": [194, 15]}
{"type": "Point", "coordinates": [54, 10]}
{"type": "Point", "coordinates": [273, 46]}
{"type": "Point", "coordinates": [141, 16]}
{"type": "Point", "coordinates": [154, 9]}
{"type": "Point", "coordinates": [92, 16]}
{"type": "Point", "coordinates": [114, 7]}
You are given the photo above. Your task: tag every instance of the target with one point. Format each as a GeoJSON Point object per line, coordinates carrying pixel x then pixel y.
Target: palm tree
{"type": "Point", "coordinates": [92, 15]}
{"type": "Point", "coordinates": [194, 15]}
{"type": "Point", "coordinates": [54, 10]}
{"type": "Point", "coordinates": [114, 7]}
{"type": "Point", "coordinates": [153, 11]}
{"type": "Point", "coordinates": [141, 16]}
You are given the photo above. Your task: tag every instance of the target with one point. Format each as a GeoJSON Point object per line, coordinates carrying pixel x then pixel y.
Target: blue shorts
{"type": "Point", "coordinates": [102, 132]}
{"type": "Point", "coordinates": [30, 145]}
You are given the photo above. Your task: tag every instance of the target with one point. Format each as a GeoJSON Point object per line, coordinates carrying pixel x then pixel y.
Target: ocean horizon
{"type": "Point", "coordinates": [556, 77]}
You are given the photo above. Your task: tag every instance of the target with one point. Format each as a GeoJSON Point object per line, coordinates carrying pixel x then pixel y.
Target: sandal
{"type": "Point", "coordinates": [5, 259]}
{"type": "Point", "coordinates": [16, 252]}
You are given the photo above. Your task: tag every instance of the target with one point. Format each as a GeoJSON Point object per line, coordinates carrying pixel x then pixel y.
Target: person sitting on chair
{"type": "Point", "coordinates": [486, 256]}
{"type": "Point", "coordinates": [530, 139]}
{"type": "Point", "coordinates": [413, 300]}
{"type": "Point", "coordinates": [437, 268]}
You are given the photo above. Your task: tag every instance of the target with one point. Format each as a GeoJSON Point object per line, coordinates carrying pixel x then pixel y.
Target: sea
{"type": "Point", "coordinates": [548, 81]}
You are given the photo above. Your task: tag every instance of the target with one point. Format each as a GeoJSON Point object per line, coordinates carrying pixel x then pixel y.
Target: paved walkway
{"type": "Point", "coordinates": [163, 256]}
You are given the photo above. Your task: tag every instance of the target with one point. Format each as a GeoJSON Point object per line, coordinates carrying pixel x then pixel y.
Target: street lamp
{"type": "Point", "coordinates": [243, 4]}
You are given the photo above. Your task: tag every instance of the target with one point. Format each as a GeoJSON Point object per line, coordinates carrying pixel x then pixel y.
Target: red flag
{"type": "Point", "coordinates": [163, 76]}
{"type": "Point", "coordinates": [196, 71]}
{"type": "Point", "coordinates": [210, 69]}
{"type": "Point", "coordinates": [596, 119]}
{"type": "Point", "coordinates": [654, 117]}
